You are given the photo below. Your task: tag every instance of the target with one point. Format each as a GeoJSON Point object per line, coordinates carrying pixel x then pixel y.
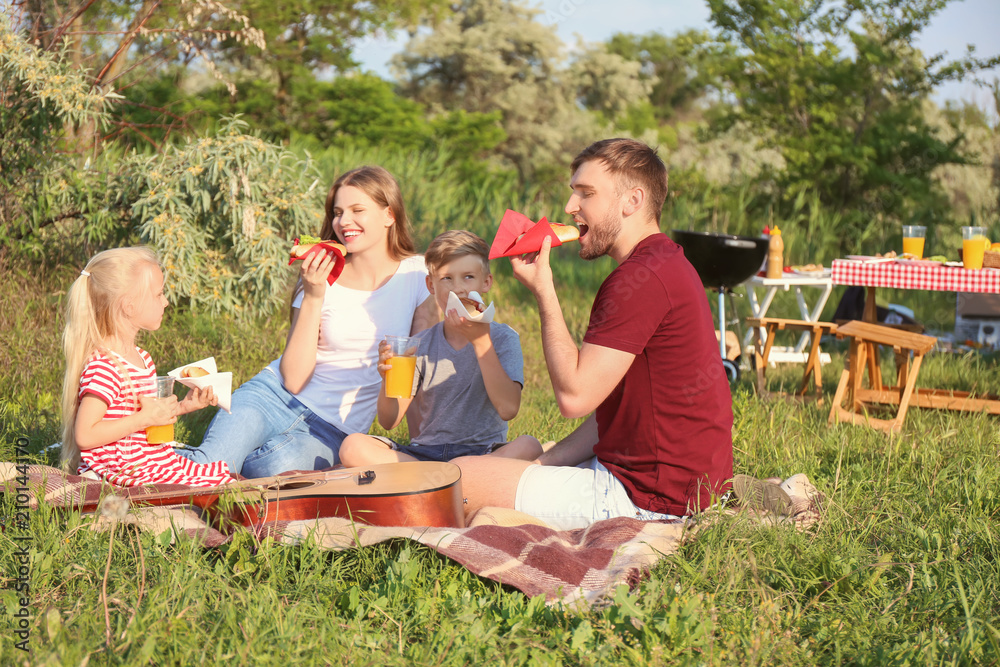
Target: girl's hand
{"type": "Point", "coordinates": [315, 270]}
{"type": "Point", "coordinates": [197, 398]}
{"type": "Point", "coordinates": [384, 355]}
{"type": "Point", "coordinates": [158, 411]}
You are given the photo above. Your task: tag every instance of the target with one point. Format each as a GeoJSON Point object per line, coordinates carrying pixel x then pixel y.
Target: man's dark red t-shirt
{"type": "Point", "coordinates": [666, 430]}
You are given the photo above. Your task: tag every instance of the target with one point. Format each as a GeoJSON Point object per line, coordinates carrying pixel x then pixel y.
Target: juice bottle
{"type": "Point", "coordinates": [775, 249]}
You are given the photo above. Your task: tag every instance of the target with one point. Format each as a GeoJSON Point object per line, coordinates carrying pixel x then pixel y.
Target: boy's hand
{"type": "Point", "coordinates": [197, 398]}
{"type": "Point", "coordinates": [384, 355]}
{"type": "Point", "coordinates": [158, 411]}
{"type": "Point", "coordinates": [472, 331]}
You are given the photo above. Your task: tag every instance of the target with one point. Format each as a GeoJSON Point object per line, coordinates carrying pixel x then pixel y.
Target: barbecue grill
{"type": "Point", "coordinates": [723, 261]}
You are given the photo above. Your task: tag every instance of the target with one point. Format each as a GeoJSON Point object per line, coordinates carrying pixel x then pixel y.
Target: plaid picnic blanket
{"type": "Point", "coordinates": [572, 567]}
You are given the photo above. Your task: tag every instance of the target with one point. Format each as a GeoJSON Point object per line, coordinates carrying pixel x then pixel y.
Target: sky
{"type": "Point", "coordinates": [962, 22]}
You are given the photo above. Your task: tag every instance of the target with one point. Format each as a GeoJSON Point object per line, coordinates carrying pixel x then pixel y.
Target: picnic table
{"type": "Point", "coordinates": [814, 286]}
{"type": "Point", "coordinates": [867, 336]}
{"type": "Point", "coordinates": [911, 275]}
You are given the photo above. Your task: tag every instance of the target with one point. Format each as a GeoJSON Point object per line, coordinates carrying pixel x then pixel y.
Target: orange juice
{"type": "Point", "coordinates": [972, 252]}
{"type": "Point", "coordinates": [157, 435]}
{"type": "Point", "coordinates": [913, 246]}
{"type": "Point", "coordinates": [399, 378]}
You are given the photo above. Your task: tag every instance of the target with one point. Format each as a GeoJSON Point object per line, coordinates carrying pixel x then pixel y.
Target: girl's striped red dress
{"type": "Point", "coordinates": [132, 461]}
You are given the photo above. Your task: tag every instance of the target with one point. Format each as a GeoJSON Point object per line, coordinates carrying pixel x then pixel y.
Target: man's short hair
{"type": "Point", "coordinates": [451, 245]}
{"type": "Point", "coordinates": [631, 163]}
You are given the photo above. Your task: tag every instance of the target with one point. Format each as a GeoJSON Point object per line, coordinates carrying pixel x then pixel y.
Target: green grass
{"type": "Point", "coordinates": [903, 568]}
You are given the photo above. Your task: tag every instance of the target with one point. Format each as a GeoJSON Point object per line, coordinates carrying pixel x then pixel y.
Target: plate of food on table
{"type": "Point", "coordinates": [876, 258]}
{"type": "Point", "coordinates": [913, 260]}
{"type": "Point", "coordinates": [810, 270]}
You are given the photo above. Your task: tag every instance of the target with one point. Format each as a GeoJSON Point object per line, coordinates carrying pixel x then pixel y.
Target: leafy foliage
{"type": "Point", "coordinates": [681, 68]}
{"type": "Point", "coordinates": [39, 94]}
{"type": "Point", "coordinates": [493, 56]}
{"type": "Point", "coordinates": [221, 211]}
{"type": "Point", "coordinates": [848, 122]}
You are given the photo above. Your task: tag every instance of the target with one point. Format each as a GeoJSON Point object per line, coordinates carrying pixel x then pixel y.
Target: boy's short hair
{"type": "Point", "coordinates": [451, 245]}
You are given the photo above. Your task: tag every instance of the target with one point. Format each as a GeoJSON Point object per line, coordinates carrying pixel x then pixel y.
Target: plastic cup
{"type": "Point", "coordinates": [399, 378]}
{"type": "Point", "coordinates": [157, 435]}
{"type": "Point", "coordinates": [974, 245]}
{"type": "Point", "coordinates": [913, 240]}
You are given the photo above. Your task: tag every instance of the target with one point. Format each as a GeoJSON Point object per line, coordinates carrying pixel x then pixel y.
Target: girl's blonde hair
{"type": "Point", "coordinates": [95, 316]}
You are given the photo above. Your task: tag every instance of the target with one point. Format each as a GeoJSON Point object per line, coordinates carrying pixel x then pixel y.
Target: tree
{"type": "Point", "coordinates": [492, 56]}
{"type": "Point", "coordinates": [39, 93]}
{"type": "Point", "coordinates": [680, 69]}
{"type": "Point", "coordinates": [221, 212]}
{"type": "Point", "coordinates": [837, 89]}
{"type": "Point", "coordinates": [114, 42]}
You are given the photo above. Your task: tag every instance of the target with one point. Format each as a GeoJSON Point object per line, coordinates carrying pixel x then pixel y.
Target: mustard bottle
{"type": "Point", "coordinates": [775, 249]}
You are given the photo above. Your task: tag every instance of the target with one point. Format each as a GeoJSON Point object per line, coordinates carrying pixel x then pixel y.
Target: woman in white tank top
{"type": "Point", "coordinates": [294, 414]}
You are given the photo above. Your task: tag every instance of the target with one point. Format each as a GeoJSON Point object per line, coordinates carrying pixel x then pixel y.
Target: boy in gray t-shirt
{"type": "Point", "coordinates": [468, 376]}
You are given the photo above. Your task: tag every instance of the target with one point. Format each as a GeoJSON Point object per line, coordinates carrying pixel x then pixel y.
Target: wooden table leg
{"type": "Point", "coordinates": [871, 312]}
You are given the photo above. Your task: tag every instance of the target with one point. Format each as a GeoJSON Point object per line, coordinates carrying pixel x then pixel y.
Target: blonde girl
{"type": "Point", "coordinates": [294, 414]}
{"type": "Point", "coordinates": [109, 389]}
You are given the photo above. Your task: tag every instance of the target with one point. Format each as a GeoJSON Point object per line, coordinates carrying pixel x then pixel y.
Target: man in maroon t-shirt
{"type": "Point", "coordinates": [658, 442]}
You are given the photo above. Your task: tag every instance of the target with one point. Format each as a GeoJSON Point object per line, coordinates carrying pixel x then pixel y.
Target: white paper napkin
{"type": "Point", "coordinates": [221, 383]}
{"type": "Point", "coordinates": [455, 303]}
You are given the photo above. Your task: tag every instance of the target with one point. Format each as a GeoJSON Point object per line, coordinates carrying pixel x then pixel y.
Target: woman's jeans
{"type": "Point", "coordinates": [268, 431]}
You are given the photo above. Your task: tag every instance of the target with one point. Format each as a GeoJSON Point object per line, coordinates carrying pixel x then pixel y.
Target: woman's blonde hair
{"type": "Point", "coordinates": [95, 316]}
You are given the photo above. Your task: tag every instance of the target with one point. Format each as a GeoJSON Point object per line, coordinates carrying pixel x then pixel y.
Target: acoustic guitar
{"type": "Point", "coordinates": [417, 493]}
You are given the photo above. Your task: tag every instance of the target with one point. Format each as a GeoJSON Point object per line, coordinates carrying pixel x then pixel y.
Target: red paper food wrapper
{"type": "Point", "coordinates": [507, 244]}
{"type": "Point", "coordinates": [338, 259]}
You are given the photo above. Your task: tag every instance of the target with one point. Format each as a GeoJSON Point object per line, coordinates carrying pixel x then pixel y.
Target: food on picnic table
{"type": "Point", "coordinates": [304, 244]}
{"type": "Point", "coordinates": [807, 268]}
{"type": "Point", "coordinates": [194, 372]}
{"type": "Point", "coordinates": [889, 255]}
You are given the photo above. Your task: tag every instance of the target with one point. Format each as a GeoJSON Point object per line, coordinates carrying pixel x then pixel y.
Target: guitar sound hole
{"type": "Point", "coordinates": [291, 486]}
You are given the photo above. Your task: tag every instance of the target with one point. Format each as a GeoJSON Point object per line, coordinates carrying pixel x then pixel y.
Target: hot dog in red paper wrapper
{"type": "Point", "coordinates": [308, 245]}
{"type": "Point", "coordinates": [518, 235]}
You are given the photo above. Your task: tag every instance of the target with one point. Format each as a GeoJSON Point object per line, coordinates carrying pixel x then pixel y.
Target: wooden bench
{"type": "Point", "coordinates": [762, 349]}
{"type": "Point", "coordinates": [865, 340]}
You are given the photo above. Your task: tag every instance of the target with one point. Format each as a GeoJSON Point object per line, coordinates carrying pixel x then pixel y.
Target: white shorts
{"type": "Point", "coordinates": [568, 498]}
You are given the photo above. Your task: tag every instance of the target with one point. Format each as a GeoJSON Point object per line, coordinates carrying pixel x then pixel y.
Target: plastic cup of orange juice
{"type": "Point", "coordinates": [974, 245]}
{"type": "Point", "coordinates": [913, 240]}
{"type": "Point", "coordinates": [157, 435]}
{"type": "Point", "coordinates": [399, 378]}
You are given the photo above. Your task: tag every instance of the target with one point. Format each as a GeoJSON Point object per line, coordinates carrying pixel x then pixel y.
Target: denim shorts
{"type": "Point", "coordinates": [568, 498]}
{"type": "Point", "coordinates": [438, 452]}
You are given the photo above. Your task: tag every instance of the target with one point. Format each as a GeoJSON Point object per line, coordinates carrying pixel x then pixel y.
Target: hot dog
{"type": "Point", "coordinates": [471, 305]}
{"type": "Point", "coordinates": [563, 232]}
{"type": "Point", "coordinates": [194, 372]}
{"type": "Point", "coordinates": [304, 244]}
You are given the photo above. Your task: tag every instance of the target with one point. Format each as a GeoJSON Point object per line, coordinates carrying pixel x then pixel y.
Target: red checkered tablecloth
{"type": "Point", "coordinates": [915, 276]}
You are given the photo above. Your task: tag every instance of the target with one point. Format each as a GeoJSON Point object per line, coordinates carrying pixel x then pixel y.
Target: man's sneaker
{"type": "Point", "coordinates": [761, 495]}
